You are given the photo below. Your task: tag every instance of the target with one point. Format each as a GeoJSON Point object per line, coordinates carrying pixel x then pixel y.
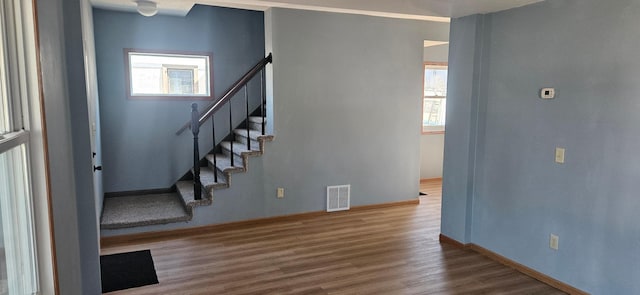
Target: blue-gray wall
{"type": "Point", "coordinates": [459, 145]}
{"type": "Point", "coordinates": [140, 148]}
{"type": "Point", "coordinates": [68, 147]}
{"type": "Point", "coordinates": [587, 50]}
{"type": "Point", "coordinates": [347, 110]}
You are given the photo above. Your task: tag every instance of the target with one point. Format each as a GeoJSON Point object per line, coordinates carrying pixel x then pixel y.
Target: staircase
{"type": "Point", "coordinates": [209, 173]}
{"type": "Point", "coordinates": [220, 163]}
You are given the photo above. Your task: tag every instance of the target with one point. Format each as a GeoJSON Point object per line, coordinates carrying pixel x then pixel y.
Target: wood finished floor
{"type": "Point", "coordinates": [379, 251]}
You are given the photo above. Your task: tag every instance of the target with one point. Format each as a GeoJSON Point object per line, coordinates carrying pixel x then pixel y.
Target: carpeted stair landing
{"type": "Point", "coordinates": [177, 206]}
{"type": "Point", "coordinates": [141, 210]}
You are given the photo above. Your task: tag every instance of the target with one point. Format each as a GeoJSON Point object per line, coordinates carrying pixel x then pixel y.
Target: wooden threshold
{"type": "Point", "coordinates": [131, 238]}
{"type": "Point", "coordinates": [515, 265]}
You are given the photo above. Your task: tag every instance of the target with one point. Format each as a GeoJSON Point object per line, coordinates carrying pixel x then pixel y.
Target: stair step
{"type": "Point", "coordinates": [253, 134]}
{"type": "Point", "coordinates": [240, 148]}
{"type": "Point", "coordinates": [185, 190]}
{"type": "Point", "coordinates": [224, 163]}
{"type": "Point", "coordinates": [243, 140]}
{"type": "Point", "coordinates": [207, 178]}
{"type": "Point", "coordinates": [255, 123]}
{"type": "Point", "coordinates": [256, 119]}
{"type": "Point", "coordinates": [141, 210]}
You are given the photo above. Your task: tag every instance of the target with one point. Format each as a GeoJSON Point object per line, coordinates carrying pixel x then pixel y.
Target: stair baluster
{"type": "Point", "coordinates": [231, 132]}
{"type": "Point", "coordinates": [246, 99]}
{"type": "Point", "coordinates": [215, 164]}
{"type": "Point", "coordinates": [262, 98]}
{"type": "Point", "coordinates": [195, 129]}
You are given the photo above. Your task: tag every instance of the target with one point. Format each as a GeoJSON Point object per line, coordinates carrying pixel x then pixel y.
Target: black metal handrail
{"type": "Point", "coordinates": [197, 119]}
{"type": "Point", "coordinates": [212, 108]}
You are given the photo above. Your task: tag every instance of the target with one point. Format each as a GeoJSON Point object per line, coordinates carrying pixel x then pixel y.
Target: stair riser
{"type": "Point", "coordinates": [226, 176]}
{"type": "Point", "coordinates": [185, 189]}
{"type": "Point", "coordinates": [256, 126]}
{"type": "Point", "coordinates": [254, 143]}
{"type": "Point", "coordinates": [240, 146]}
{"type": "Point", "coordinates": [208, 182]}
{"type": "Point", "coordinates": [227, 153]}
{"type": "Point", "coordinates": [238, 162]}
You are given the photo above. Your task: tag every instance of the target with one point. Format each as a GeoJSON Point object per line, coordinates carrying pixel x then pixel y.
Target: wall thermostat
{"type": "Point", "coordinates": [548, 93]}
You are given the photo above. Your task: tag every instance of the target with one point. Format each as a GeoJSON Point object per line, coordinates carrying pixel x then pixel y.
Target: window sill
{"type": "Point", "coordinates": [432, 132]}
{"type": "Point", "coordinates": [169, 97]}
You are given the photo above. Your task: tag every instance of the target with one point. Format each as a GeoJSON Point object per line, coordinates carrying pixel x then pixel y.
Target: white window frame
{"type": "Point", "coordinates": [437, 129]}
{"type": "Point", "coordinates": [128, 52]}
{"type": "Point", "coordinates": [19, 86]}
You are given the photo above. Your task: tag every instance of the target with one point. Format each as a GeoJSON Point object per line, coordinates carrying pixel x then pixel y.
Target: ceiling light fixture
{"type": "Point", "coordinates": [147, 8]}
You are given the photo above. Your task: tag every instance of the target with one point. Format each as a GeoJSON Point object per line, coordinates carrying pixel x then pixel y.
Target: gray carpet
{"type": "Point", "coordinates": [141, 210]}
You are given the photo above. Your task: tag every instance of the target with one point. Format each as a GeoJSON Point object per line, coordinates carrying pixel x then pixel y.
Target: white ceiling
{"type": "Point", "coordinates": [432, 10]}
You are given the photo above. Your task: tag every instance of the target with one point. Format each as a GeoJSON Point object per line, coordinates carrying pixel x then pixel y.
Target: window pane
{"type": "Point", "coordinates": [154, 74]}
{"type": "Point", "coordinates": [181, 81]}
{"type": "Point", "coordinates": [17, 260]}
{"type": "Point", "coordinates": [435, 81]}
{"type": "Point", "coordinates": [434, 111]}
{"type": "Point", "coordinates": [435, 97]}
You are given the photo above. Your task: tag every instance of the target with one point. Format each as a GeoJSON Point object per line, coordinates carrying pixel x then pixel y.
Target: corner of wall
{"type": "Point", "coordinates": [269, 48]}
{"type": "Point", "coordinates": [464, 102]}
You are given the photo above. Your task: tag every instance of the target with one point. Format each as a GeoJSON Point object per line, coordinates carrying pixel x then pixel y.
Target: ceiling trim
{"type": "Point", "coordinates": [422, 10]}
{"type": "Point", "coordinates": [182, 8]}
{"type": "Point", "coordinates": [264, 5]}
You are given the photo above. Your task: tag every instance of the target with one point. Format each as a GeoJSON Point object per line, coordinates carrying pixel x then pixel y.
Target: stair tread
{"type": "Point", "coordinates": [207, 178]}
{"type": "Point", "coordinates": [141, 210]}
{"type": "Point", "coordinates": [253, 134]}
{"type": "Point", "coordinates": [256, 119]}
{"type": "Point", "coordinates": [223, 163]}
{"type": "Point", "coordinates": [239, 147]}
{"type": "Point", "coordinates": [185, 190]}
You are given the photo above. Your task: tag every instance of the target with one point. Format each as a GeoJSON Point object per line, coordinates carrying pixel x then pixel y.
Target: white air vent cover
{"type": "Point", "coordinates": [338, 197]}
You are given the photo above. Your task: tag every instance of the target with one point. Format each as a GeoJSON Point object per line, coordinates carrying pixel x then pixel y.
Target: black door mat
{"type": "Point", "coordinates": [127, 270]}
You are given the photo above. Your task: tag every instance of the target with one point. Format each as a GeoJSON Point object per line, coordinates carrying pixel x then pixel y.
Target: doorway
{"type": "Point", "coordinates": [432, 129]}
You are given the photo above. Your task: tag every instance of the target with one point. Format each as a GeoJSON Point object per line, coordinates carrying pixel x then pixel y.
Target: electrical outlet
{"type": "Point", "coordinates": [548, 93]}
{"type": "Point", "coordinates": [553, 241]}
{"type": "Point", "coordinates": [559, 155]}
{"type": "Point", "coordinates": [280, 192]}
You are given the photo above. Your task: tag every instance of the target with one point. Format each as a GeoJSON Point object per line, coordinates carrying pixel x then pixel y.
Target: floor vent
{"type": "Point", "coordinates": [338, 197]}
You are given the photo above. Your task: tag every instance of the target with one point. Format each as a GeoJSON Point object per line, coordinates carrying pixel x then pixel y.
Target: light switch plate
{"type": "Point", "coordinates": [559, 155]}
{"type": "Point", "coordinates": [554, 241]}
{"type": "Point", "coordinates": [280, 193]}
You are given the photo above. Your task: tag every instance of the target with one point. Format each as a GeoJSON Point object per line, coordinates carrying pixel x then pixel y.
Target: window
{"type": "Point", "coordinates": [18, 272]}
{"type": "Point", "coordinates": [162, 75]}
{"type": "Point", "coordinates": [17, 249]}
{"type": "Point", "coordinates": [434, 101]}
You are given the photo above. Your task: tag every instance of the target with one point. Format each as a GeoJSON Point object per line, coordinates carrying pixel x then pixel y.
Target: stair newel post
{"type": "Point", "coordinates": [231, 132]}
{"type": "Point", "coordinates": [195, 129]}
{"type": "Point", "coordinates": [246, 99]}
{"type": "Point", "coordinates": [262, 97]}
{"type": "Point", "coordinates": [215, 164]}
